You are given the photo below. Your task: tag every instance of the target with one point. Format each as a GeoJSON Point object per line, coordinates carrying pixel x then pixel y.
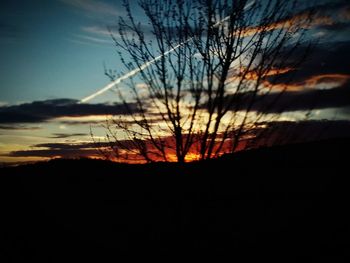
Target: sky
{"type": "Point", "coordinates": [53, 54]}
{"type": "Point", "coordinates": [54, 49]}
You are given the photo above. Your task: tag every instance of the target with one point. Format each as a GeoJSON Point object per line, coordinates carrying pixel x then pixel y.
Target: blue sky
{"type": "Point", "coordinates": [57, 48]}
{"type": "Point", "coordinates": [49, 49]}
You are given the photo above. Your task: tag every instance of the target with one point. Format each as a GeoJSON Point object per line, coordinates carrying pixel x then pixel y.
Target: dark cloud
{"type": "Point", "coordinates": [19, 127]}
{"type": "Point", "coordinates": [153, 118]}
{"type": "Point", "coordinates": [330, 7]}
{"type": "Point", "coordinates": [323, 59]}
{"type": "Point", "coordinates": [345, 110]}
{"type": "Point", "coordinates": [40, 111]}
{"type": "Point", "coordinates": [66, 135]}
{"type": "Point", "coordinates": [335, 27]}
{"type": "Point", "coordinates": [294, 100]}
{"type": "Point", "coordinates": [282, 132]}
{"type": "Point", "coordinates": [74, 146]}
{"type": "Point", "coordinates": [65, 146]}
{"type": "Point", "coordinates": [51, 153]}
{"type": "Point", "coordinates": [64, 150]}
{"type": "Point", "coordinates": [274, 133]}
{"type": "Point", "coordinates": [315, 129]}
{"type": "Point", "coordinates": [323, 13]}
{"type": "Point", "coordinates": [88, 122]}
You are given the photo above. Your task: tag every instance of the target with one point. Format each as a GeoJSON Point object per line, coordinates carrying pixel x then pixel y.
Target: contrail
{"type": "Point", "coordinates": [147, 64]}
{"type": "Point", "coordinates": [130, 74]}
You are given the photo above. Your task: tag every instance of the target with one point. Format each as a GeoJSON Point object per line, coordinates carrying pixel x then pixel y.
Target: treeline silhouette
{"type": "Point", "coordinates": [288, 199]}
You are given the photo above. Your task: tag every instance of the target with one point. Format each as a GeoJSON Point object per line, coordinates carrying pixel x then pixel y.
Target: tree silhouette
{"type": "Point", "coordinates": [204, 66]}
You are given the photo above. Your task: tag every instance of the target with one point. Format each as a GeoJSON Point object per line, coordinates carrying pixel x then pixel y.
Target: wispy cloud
{"type": "Point", "coordinates": [94, 7]}
{"type": "Point", "coordinates": [97, 30]}
{"type": "Point", "coordinates": [114, 30]}
{"type": "Point", "coordinates": [95, 40]}
{"type": "Point", "coordinates": [102, 13]}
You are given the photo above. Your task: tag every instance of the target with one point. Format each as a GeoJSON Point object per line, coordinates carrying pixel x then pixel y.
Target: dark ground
{"type": "Point", "coordinates": [289, 201]}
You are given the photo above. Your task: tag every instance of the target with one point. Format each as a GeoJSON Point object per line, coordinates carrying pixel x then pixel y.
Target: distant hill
{"type": "Point", "coordinates": [288, 199]}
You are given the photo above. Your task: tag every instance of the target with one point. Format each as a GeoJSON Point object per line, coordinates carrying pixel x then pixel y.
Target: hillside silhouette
{"type": "Point", "coordinates": [288, 199]}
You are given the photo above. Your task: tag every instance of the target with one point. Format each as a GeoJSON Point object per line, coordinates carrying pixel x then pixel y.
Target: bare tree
{"type": "Point", "coordinates": [205, 68]}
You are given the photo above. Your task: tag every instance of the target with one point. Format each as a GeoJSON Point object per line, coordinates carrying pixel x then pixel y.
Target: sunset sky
{"type": "Point", "coordinates": [53, 54]}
